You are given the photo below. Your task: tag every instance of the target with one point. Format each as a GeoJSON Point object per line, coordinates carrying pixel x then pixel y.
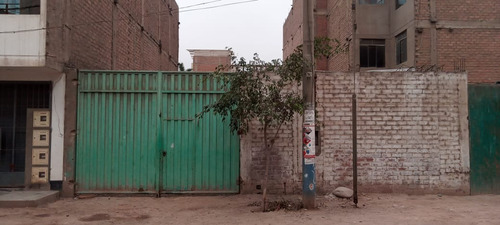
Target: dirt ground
{"type": "Point", "coordinates": [242, 209]}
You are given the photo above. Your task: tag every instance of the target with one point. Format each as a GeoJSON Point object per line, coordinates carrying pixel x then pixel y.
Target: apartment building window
{"type": "Point", "coordinates": [19, 6]}
{"type": "Point", "coordinates": [372, 2]}
{"type": "Point", "coordinates": [399, 3]}
{"type": "Point", "coordinates": [372, 53]}
{"type": "Point", "coordinates": [401, 49]}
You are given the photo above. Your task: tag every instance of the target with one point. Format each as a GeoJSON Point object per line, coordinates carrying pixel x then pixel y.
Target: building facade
{"type": "Point", "coordinates": [443, 35]}
{"type": "Point", "coordinates": [42, 45]}
{"type": "Point", "coordinates": [207, 60]}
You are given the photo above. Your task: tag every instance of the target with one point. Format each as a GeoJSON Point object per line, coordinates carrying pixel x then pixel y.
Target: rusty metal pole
{"type": "Point", "coordinates": [309, 127]}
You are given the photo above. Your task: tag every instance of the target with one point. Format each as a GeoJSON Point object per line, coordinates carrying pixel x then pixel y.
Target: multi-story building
{"type": "Point", "coordinates": [42, 45]}
{"type": "Point", "coordinates": [442, 35]}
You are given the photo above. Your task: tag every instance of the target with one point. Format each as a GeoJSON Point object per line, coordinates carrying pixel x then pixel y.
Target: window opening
{"type": "Point", "coordinates": [372, 53]}
{"type": "Point", "coordinates": [401, 48]}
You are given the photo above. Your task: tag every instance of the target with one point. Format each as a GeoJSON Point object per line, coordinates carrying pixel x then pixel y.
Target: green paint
{"type": "Point", "coordinates": [121, 136]}
{"type": "Point", "coordinates": [484, 119]}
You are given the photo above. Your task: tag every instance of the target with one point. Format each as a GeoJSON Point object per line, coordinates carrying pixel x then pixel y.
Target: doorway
{"type": "Point", "coordinates": [15, 99]}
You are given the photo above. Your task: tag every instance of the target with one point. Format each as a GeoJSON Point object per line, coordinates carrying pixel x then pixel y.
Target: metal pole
{"type": "Point", "coordinates": [14, 127]}
{"type": "Point", "coordinates": [355, 148]}
{"type": "Point", "coordinates": [309, 127]}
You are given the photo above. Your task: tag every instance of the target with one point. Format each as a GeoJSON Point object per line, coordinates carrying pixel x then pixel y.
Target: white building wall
{"type": "Point", "coordinates": [22, 39]}
{"type": "Point", "coordinates": [57, 142]}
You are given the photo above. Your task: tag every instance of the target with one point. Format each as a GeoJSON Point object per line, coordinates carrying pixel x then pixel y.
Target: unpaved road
{"type": "Point", "coordinates": [374, 209]}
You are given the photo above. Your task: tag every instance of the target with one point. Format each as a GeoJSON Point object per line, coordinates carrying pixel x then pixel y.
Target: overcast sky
{"type": "Point", "coordinates": [248, 28]}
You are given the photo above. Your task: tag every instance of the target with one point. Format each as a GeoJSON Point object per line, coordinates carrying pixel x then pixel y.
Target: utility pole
{"type": "Point", "coordinates": [309, 126]}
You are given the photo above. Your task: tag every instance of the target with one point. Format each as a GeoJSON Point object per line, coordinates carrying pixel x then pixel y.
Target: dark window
{"type": "Point", "coordinates": [399, 3]}
{"type": "Point", "coordinates": [401, 49]}
{"type": "Point", "coordinates": [19, 6]}
{"type": "Point", "coordinates": [372, 2]}
{"type": "Point", "coordinates": [372, 53]}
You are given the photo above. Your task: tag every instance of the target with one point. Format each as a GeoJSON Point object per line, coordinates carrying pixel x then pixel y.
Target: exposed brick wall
{"type": "Point", "coordinates": [292, 29]}
{"type": "Point", "coordinates": [285, 161]}
{"type": "Point", "coordinates": [484, 10]}
{"type": "Point", "coordinates": [90, 34]}
{"type": "Point", "coordinates": [422, 9]}
{"type": "Point", "coordinates": [209, 63]}
{"type": "Point", "coordinates": [423, 47]}
{"type": "Point", "coordinates": [410, 130]}
{"type": "Point", "coordinates": [340, 27]}
{"type": "Point", "coordinates": [412, 136]}
{"type": "Point", "coordinates": [285, 158]}
{"type": "Point", "coordinates": [129, 40]}
{"type": "Point", "coordinates": [473, 38]}
{"type": "Point", "coordinates": [478, 48]}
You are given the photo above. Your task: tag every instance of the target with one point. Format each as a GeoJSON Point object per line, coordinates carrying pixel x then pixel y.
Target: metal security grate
{"type": "Point", "coordinates": [15, 99]}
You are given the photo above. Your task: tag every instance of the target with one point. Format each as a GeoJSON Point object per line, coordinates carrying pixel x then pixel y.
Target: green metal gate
{"type": "Point", "coordinates": [484, 119]}
{"type": "Point", "coordinates": [137, 132]}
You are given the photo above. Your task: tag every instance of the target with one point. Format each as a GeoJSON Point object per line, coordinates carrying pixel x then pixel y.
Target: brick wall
{"type": "Point", "coordinates": [467, 32]}
{"type": "Point", "coordinates": [423, 47]}
{"type": "Point", "coordinates": [478, 48]}
{"type": "Point", "coordinates": [209, 63]}
{"type": "Point", "coordinates": [125, 36]}
{"type": "Point", "coordinates": [340, 27]}
{"type": "Point", "coordinates": [412, 136]}
{"type": "Point", "coordinates": [292, 29]}
{"type": "Point", "coordinates": [285, 158]}
{"type": "Point", "coordinates": [484, 10]}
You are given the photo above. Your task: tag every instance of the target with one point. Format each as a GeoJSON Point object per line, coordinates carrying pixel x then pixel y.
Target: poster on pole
{"type": "Point", "coordinates": [309, 143]}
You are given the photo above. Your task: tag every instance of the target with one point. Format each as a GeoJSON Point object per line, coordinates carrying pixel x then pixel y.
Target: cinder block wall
{"type": "Point", "coordinates": [412, 136]}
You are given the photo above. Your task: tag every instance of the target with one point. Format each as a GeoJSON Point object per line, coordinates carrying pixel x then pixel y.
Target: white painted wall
{"type": "Point", "coordinates": [57, 141]}
{"type": "Point", "coordinates": [22, 39]}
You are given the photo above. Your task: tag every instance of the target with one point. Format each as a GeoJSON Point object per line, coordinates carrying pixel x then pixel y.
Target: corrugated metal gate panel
{"type": "Point", "coordinates": [116, 147]}
{"type": "Point", "coordinates": [121, 137]}
{"type": "Point", "coordinates": [202, 153]}
{"type": "Point", "coordinates": [484, 119]}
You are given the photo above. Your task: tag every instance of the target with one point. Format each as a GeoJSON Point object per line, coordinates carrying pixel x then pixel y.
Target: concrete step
{"type": "Point", "coordinates": [21, 199]}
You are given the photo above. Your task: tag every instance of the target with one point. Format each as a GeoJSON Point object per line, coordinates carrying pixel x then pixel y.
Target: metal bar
{"type": "Point", "coordinates": [159, 127]}
{"type": "Point", "coordinates": [355, 148]}
{"type": "Point", "coordinates": [118, 91]}
{"type": "Point", "coordinates": [14, 129]}
{"type": "Point", "coordinates": [151, 92]}
{"type": "Point", "coordinates": [193, 92]}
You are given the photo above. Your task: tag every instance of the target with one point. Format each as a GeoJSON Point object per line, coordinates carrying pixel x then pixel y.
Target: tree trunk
{"type": "Point", "coordinates": [266, 175]}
